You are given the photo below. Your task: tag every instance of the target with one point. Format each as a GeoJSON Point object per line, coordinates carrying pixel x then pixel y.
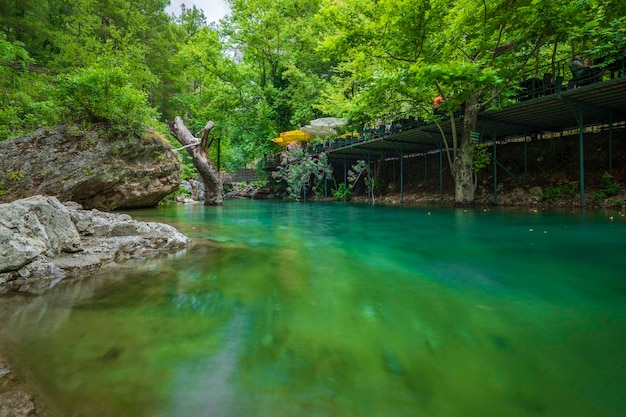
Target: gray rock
{"type": "Point", "coordinates": [7, 377]}
{"type": "Point", "coordinates": [195, 188]}
{"type": "Point", "coordinates": [91, 169]}
{"type": "Point", "coordinates": [32, 227]}
{"type": "Point", "coordinates": [250, 192]}
{"type": "Point", "coordinates": [16, 404]}
{"type": "Point", "coordinates": [45, 219]}
{"type": "Point", "coordinates": [16, 250]}
{"type": "Point", "coordinates": [43, 242]}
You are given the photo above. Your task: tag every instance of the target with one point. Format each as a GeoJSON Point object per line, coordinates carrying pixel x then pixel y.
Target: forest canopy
{"type": "Point", "coordinates": [272, 66]}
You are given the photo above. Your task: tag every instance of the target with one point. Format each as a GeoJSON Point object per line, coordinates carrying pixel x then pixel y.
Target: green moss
{"type": "Point", "coordinates": [15, 176]}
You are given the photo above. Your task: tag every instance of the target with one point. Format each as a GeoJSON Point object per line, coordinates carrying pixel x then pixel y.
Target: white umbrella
{"type": "Point", "coordinates": [318, 130]}
{"type": "Point", "coordinates": [329, 122]}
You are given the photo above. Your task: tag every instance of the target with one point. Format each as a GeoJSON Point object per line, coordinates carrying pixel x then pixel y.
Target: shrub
{"type": "Point", "coordinates": [172, 197]}
{"type": "Point", "coordinates": [561, 191]}
{"type": "Point", "coordinates": [480, 157]}
{"type": "Point", "coordinates": [104, 93]}
{"type": "Point", "coordinates": [299, 170]}
{"type": "Point", "coordinates": [342, 192]}
{"type": "Point", "coordinates": [259, 183]}
{"type": "Point", "coordinates": [608, 188]}
{"type": "Point", "coordinates": [24, 105]}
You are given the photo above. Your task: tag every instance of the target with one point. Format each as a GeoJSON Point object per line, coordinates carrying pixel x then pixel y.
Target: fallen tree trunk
{"type": "Point", "coordinates": [213, 187]}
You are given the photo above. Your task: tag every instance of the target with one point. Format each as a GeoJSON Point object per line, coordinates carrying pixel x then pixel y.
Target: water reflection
{"type": "Point", "coordinates": [336, 310]}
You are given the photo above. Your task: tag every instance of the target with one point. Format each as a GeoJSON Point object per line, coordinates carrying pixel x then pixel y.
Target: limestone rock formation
{"type": "Point", "coordinates": [89, 168]}
{"type": "Point", "coordinates": [43, 242]}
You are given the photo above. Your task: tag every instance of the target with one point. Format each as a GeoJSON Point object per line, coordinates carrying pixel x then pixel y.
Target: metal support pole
{"type": "Point", "coordinates": [370, 188]}
{"type": "Point", "coordinates": [325, 186]}
{"type": "Point", "coordinates": [440, 173]}
{"type": "Point", "coordinates": [345, 179]}
{"type": "Point", "coordinates": [401, 176]}
{"type": "Point", "coordinates": [581, 136]}
{"type": "Point", "coordinates": [578, 114]}
{"type": "Point", "coordinates": [525, 155]}
{"type": "Point", "coordinates": [495, 172]}
{"type": "Point", "coordinates": [610, 141]}
{"type": "Point", "coordinates": [440, 167]}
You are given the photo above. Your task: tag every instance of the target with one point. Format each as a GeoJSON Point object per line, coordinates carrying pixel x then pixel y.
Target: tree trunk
{"type": "Point", "coordinates": [213, 188]}
{"type": "Point", "coordinates": [464, 186]}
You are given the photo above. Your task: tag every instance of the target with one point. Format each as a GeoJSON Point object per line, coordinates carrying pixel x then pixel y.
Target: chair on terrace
{"type": "Point", "coordinates": [558, 84]}
{"type": "Point", "coordinates": [547, 86]}
{"type": "Point", "coordinates": [531, 88]}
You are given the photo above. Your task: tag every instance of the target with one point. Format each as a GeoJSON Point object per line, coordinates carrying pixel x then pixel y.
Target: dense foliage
{"type": "Point", "coordinates": [299, 171]}
{"type": "Point", "coordinates": [272, 66]}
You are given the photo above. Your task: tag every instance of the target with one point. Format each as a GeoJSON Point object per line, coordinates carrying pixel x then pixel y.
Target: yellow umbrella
{"type": "Point", "coordinates": [291, 136]}
{"type": "Point", "coordinates": [294, 136]}
{"type": "Point", "coordinates": [351, 134]}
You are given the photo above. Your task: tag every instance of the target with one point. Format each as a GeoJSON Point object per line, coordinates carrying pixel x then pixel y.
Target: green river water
{"type": "Point", "coordinates": [327, 309]}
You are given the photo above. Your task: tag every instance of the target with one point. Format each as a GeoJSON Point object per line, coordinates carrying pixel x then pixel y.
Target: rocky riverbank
{"type": "Point", "coordinates": [44, 242]}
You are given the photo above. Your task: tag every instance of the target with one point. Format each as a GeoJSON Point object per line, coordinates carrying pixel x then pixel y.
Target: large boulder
{"type": "Point", "coordinates": [43, 242]}
{"type": "Point", "coordinates": [88, 167]}
{"type": "Point", "coordinates": [33, 227]}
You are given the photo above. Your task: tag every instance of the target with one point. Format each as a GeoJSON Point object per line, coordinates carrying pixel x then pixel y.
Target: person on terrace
{"type": "Point", "coordinates": [583, 72]}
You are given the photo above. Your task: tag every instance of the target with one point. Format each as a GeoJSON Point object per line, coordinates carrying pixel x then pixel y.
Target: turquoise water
{"type": "Point", "coordinates": [323, 309]}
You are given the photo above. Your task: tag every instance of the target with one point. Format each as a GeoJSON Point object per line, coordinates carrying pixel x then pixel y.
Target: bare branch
{"type": "Point", "coordinates": [485, 13]}
{"type": "Point", "coordinates": [208, 172]}
{"type": "Point", "coordinates": [447, 146]}
{"type": "Point", "coordinates": [205, 135]}
{"type": "Point", "coordinates": [396, 58]}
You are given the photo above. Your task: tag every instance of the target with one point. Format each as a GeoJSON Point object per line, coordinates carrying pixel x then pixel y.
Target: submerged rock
{"type": "Point", "coordinates": [16, 404]}
{"type": "Point", "coordinates": [15, 401]}
{"type": "Point", "coordinates": [43, 242]}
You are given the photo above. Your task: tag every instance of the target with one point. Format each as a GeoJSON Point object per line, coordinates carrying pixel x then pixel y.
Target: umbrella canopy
{"type": "Point", "coordinates": [318, 130]}
{"type": "Point", "coordinates": [291, 136]}
{"type": "Point", "coordinates": [329, 122]}
{"type": "Point", "coordinates": [354, 134]}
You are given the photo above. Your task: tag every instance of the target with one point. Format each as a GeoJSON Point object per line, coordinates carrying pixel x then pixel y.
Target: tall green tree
{"type": "Point", "coordinates": [210, 87]}
{"type": "Point", "coordinates": [20, 84]}
{"type": "Point", "coordinates": [73, 38]}
{"type": "Point", "coordinates": [274, 45]}
{"type": "Point", "coordinates": [398, 54]}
